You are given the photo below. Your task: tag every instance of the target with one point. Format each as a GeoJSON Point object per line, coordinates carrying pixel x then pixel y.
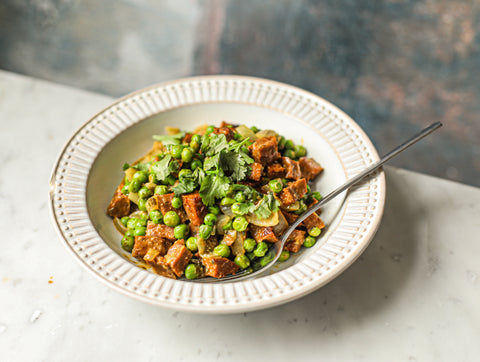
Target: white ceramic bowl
{"type": "Point", "coordinates": [89, 168]}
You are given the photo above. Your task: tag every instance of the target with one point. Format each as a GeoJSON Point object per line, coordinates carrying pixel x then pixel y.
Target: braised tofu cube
{"type": "Point", "coordinates": [178, 257]}
{"type": "Point", "coordinates": [144, 243]}
{"type": "Point", "coordinates": [161, 267]}
{"type": "Point", "coordinates": [194, 208]}
{"type": "Point", "coordinates": [219, 267]}
{"type": "Point", "coordinates": [265, 150]}
{"type": "Point", "coordinates": [275, 171]}
{"type": "Point", "coordinates": [256, 171]}
{"type": "Point", "coordinates": [293, 192]}
{"type": "Point", "coordinates": [313, 221]}
{"type": "Point", "coordinates": [292, 168]}
{"type": "Point", "coordinates": [119, 205]}
{"type": "Point", "coordinates": [227, 131]}
{"type": "Point", "coordinates": [160, 230]}
{"type": "Point", "coordinates": [263, 233]}
{"type": "Point", "coordinates": [295, 241]}
{"type": "Point", "coordinates": [309, 168]}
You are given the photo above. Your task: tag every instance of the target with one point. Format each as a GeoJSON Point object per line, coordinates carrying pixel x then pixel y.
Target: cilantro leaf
{"type": "Point", "coordinates": [125, 166]}
{"type": "Point", "coordinates": [212, 162]}
{"type": "Point", "coordinates": [266, 206]}
{"type": "Point", "coordinates": [169, 139]}
{"type": "Point", "coordinates": [213, 144]}
{"type": "Point", "coordinates": [237, 163]}
{"type": "Point", "coordinates": [189, 183]}
{"type": "Point", "coordinates": [214, 186]}
{"type": "Point", "coordinates": [185, 186]}
{"type": "Point", "coordinates": [244, 208]}
{"type": "Point", "coordinates": [161, 168]}
{"type": "Point", "coordinates": [142, 166]}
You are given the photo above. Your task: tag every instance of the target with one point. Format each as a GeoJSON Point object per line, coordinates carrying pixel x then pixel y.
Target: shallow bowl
{"type": "Point", "coordinates": [89, 168]}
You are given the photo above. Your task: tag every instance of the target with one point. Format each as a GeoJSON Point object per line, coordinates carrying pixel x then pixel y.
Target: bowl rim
{"type": "Point", "coordinates": [250, 305]}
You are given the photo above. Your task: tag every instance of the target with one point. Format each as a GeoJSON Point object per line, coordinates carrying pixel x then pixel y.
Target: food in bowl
{"type": "Point", "coordinates": [209, 202]}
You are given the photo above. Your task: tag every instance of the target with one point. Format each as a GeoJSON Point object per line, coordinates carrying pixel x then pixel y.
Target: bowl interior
{"type": "Point", "coordinates": [106, 172]}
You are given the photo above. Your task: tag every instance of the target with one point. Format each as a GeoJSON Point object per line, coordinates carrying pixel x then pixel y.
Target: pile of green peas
{"type": "Point", "coordinates": [288, 149]}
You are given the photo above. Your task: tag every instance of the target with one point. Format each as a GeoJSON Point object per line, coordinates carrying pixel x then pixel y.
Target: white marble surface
{"type": "Point", "coordinates": [412, 296]}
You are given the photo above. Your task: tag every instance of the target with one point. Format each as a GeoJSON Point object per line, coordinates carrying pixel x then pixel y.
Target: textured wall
{"type": "Point", "coordinates": [394, 66]}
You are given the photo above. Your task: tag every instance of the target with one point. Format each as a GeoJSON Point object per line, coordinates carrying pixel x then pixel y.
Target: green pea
{"type": "Point", "coordinates": [222, 250]}
{"type": "Point", "coordinates": [227, 201]}
{"type": "Point", "coordinates": [132, 223]}
{"type": "Point", "coordinates": [177, 202]}
{"type": "Point", "coordinates": [125, 189]}
{"type": "Point", "coordinates": [275, 185]}
{"type": "Point", "coordinates": [251, 255]}
{"type": "Point", "coordinates": [124, 220]}
{"type": "Point", "coordinates": [135, 185]}
{"type": "Point", "coordinates": [254, 129]}
{"type": "Point", "coordinates": [177, 151]}
{"type": "Point", "coordinates": [228, 225]}
{"type": "Point", "coordinates": [144, 216]}
{"type": "Point", "coordinates": [142, 204]}
{"type": "Point", "coordinates": [209, 130]}
{"type": "Point", "coordinates": [140, 222]}
{"type": "Point", "coordinates": [242, 261]}
{"type": "Point", "coordinates": [284, 255]}
{"type": "Point", "coordinates": [191, 244]}
{"type": "Point", "coordinates": [129, 232]}
{"type": "Point", "coordinates": [300, 151]}
{"type": "Point", "coordinates": [240, 223]}
{"type": "Point", "coordinates": [261, 249]}
{"type": "Point", "coordinates": [317, 195]}
{"type": "Point", "coordinates": [281, 142]}
{"type": "Point", "coordinates": [289, 145]}
{"type": "Point", "coordinates": [290, 153]}
{"type": "Point", "coordinates": [191, 272]}
{"type": "Point", "coordinates": [127, 243]}
{"type": "Point", "coordinates": [249, 244]}
{"type": "Point", "coordinates": [205, 231]}
{"type": "Point", "coordinates": [284, 182]}
{"type": "Point", "coordinates": [161, 190]}
{"type": "Point", "coordinates": [156, 216]}
{"type": "Point", "coordinates": [240, 197]}
{"type": "Point", "coordinates": [315, 231]}
{"type": "Point", "coordinates": [144, 192]}
{"type": "Point", "coordinates": [171, 218]}
{"type": "Point", "coordinates": [196, 164]}
{"type": "Point", "coordinates": [195, 146]}
{"type": "Point", "coordinates": [187, 154]}
{"type": "Point", "coordinates": [142, 176]}
{"type": "Point", "coordinates": [210, 219]}
{"type": "Point", "coordinates": [237, 208]}
{"type": "Point", "coordinates": [171, 180]}
{"type": "Point", "coordinates": [140, 231]}
{"type": "Point", "coordinates": [309, 241]}
{"type": "Point", "coordinates": [181, 231]}
{"type": "Point", "coordinates": [196, 138]}
{"type": "Point", "coordinates": [215, 210]}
